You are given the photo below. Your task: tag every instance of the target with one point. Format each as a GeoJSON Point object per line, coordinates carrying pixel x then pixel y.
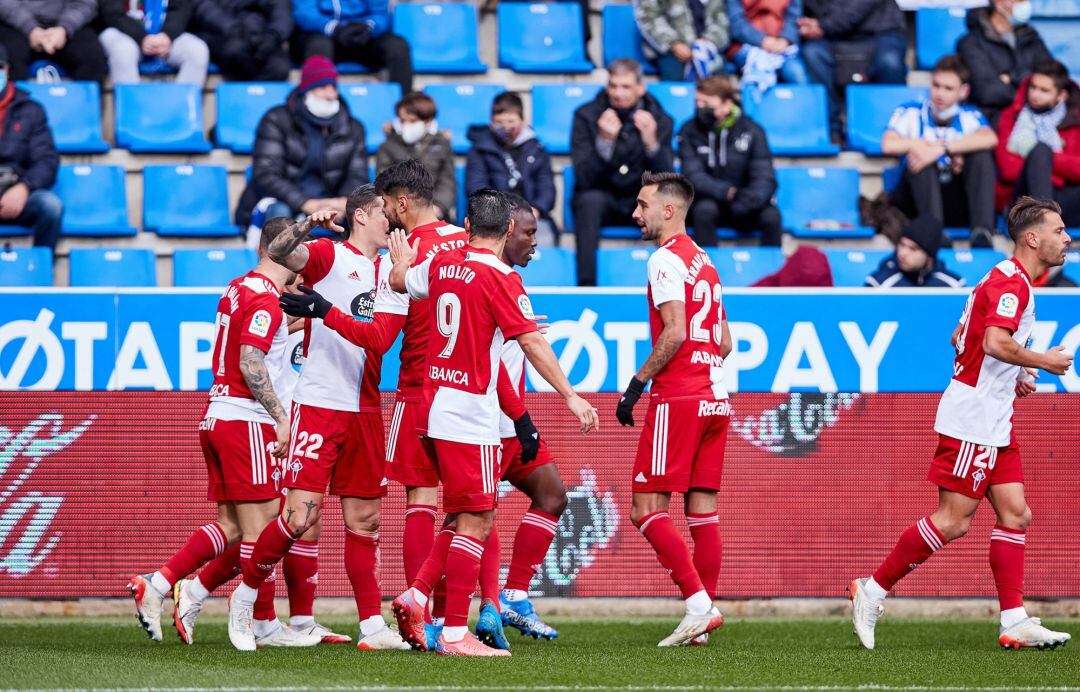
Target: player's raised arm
{"type": "Point", "coordinates": [998, 343]}
{"type": "Point", "coordinates": [288, 250]}
{"type": "Point", "coordinates": [673, 317]}
{"type": "Point", "coordinates": [378, 335]}
{"type": "Point", "coordinates": [257, 377]}
{"type": "Point", "coordinates": [538, 352]}
{"type": "Point", "coordinates": [402, 254]}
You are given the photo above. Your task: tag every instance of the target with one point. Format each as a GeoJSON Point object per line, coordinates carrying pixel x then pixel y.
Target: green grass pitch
{"type": "Point", "coordinates": [115, 653]}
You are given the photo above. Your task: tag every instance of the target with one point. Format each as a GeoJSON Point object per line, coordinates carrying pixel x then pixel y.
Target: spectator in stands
{"type": "Point", "coordinates": [353, 31]}
{"type": "Point", "coordinates": [54, 30]}
{"type": "Point", "coordinates": [309, 153]}
{"type": "Point", "coordinates": [852, 40]}
{"type": "Point", "coordinates": [765, 41]}
{"type": "Point", "coordinates": [614, 138]}
{"type": "Point", "coordinates": [507, 156]}
{"type": "Point", "coordinates": [415, 134]}
{"type": "Point", "coordinates": [915, 262]}
{"type": "Point", "coordinates": [28, 163]}
{"type": "Point", "coordinates": [947, 149]}
{"type": "Point", "coordinates": [806, 267]}
{"type": "Point", "coordinates": [1001, 49]}
{"type": "Point", "coordinates": [246, 37]}
{"type": "Point", "coordinates": [685, 38]}
{"type": "Point", "coordinates": [138, 31]}
{"type": "Point", "coordinates": [1038, 151]}
{"type": "Point", "coordinates": [725, 155]}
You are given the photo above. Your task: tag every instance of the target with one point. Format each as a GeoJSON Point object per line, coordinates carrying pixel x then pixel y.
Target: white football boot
{"type": "Point", "coordinates": [286, 637]}
{"type": "Point", "coordinates": [864, 612]}
{"type": "Point", "coordinates": [1030, 633]}
{"type": "Point", "coordinates": [692, 627]}
{"type": "Point", "coordinates": [385, 639]}
{"type": "Point", "coordinates": [241, 618]}
{"type": "Point", "coordinates": [148, 604]}
{"type": "Point", "coordinates": [185, 610]}
{"type": "Point", "coordinates": [326, 635]}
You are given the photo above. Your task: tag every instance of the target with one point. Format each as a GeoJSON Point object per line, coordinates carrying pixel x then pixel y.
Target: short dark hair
{"type": "Point", "coordinates": [409, 177]}
{"type": "Point", "coordinates": [488, 213]}
{"type": "Point", "coordinates": [626, 66]}
{"type": "Point", "coordinates": [953, 63]}
{"type": "Point", "coordinates": [418, 104]}
{"type": "Point", "coordinates": [1027, 212]}
{"type": "Point", "coordinates": [1055, 71]}
{"type": "Point", "coordinates": [668, 183]}
{"type": "Point", "coordinates": [272, 229]}
{"type": "Point", "coordinates": [516, 202]}
{"type": "Point", "coordinates": [360, 198]}
{"type": "Point", "coordinates": [507, 102]}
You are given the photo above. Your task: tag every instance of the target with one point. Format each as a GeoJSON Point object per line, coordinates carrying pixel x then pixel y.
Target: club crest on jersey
{"type": "Point", "coordinates": [525, 305]}
{"type": "Point", "coordinates": [978, 477]}
{"type": "Point", "coordinates": [260, 323]}
{"type": "Point", "coordinates": [363, 306]}
{"type": "Point", "coordinates": [295, 467]}
{"type": "Point", "coordinates": [1007, 305]}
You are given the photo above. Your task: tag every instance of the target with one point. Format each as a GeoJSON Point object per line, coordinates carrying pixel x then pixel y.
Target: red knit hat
{"type": "Point", "coordinates": [317, 71]}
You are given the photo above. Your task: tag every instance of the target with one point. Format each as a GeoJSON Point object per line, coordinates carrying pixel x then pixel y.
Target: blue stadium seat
{"type": "Point", "coordinates": [26, 266]}
{"type": "Point", "coordinates": [1061, 34]}
{"type": "Point", "coordinates": [211, 266]}
{"type": "Point", "coordinates": [622, 39]}
{"type": "Point", "coordinates": [851, 267]}
{"type": "Point", "coordinates": [161, 117]}
{"type": "Point", "coordinates": [869, 107]}
{"type": "Point", "coordinates": [553, 107]}
{"type": "Point", "coordinates": [352, 68]}
{"type": "Point", "coordinates": [462, 105]}
{"type": "Point", "coordinates": [677, 100]}
{"type": "Point", "coordinates": [971, 265]}
{"type": "Point", "coordinates": [1072, 262]}
{"type": "Point", "coordinates": [240, 107]}
{"type": "Point", "coordinates": [95, 200]}
{"type": "Point", "coordinates": [546, 37]}
{"type": "Point", "coordinates": [185, 200]}
{"type": "Point", "coordinates": [7, 231]}
{"type": "Point", "coordinates": [442, 35]}
{"type": "Point", "coordinates": [820, 202]}
{"type": "Point", "coordinates": [623, 266]}
{"type": "Point", "coordinates": [462, 198]}
{"type": "Point", "coordinates": [936, 32]}
{"type": "Point", "coordinates": [112, 267]}
{"type": "Point", "coordinates": [742, 266]}
{"type": "Point", "coordinates": [795, 119]}
{"type": "Point", "coordinates": [550, 266]}
{"type": "Point", "coordinates": [1056, 8]}
{"type": "Point", "coordinates": [373, 106]}
{"type": "Point", "coordinates": [74, 113]}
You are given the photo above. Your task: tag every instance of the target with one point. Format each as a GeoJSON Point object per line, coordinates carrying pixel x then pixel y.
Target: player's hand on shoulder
{"type": "Point", "coordinates": [1056, 361]}
{"type": "Point", "coordinates": [307, 303]}
{"type": "Point", "coordinates": [401, 251]}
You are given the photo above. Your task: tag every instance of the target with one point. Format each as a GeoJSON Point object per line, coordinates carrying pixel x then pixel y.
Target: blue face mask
{"type": "Point", "coordinates": [1021, 13]}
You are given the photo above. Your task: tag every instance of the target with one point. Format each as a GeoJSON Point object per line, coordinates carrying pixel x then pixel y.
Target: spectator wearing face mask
{"type": "Point", "coordinates": [915, 263]}
{"type": "Point", "coordinates": [415, 134]}
{"type": "Point", "coordinates": [309, 153]}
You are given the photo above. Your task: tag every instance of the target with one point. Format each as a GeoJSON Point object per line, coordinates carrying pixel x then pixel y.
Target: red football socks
{"type": "Point", "coordinates": [418, 538]}
{"type": "Point", "coordinates": [708, 548]}
{"type": "Point", "coordinates": [274, 542]}
{"type": "Point", "coordinates": [267, 589]}
{"type": "Point", "coordinates": [431, 571]}
{"type": "Point", "coordinates": [1007, 563]}
{"type": "Point", "coordinates": [462, 571]}
{"type": "Point", "coordinates": [362, 568]}
{"type": "Point", "coordinates": [674, 555]}
{"type": "Point", "coordinates": [223, 567]}
{"type": "Point", "coordinates": [531, 545]}
{"type": "Point", "coordinates": [917, 543]}
{"type": "Point", "coordinates": [301, 569]}
{"type": "Point", "coordinates": [489, 568]}
{"type": "Point", "coordinates": [203, 546]}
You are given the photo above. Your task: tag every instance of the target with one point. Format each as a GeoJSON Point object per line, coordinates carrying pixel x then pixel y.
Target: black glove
{"type": "Point", "coordinates": [625, 410]}
{"type": "Point", "coordinates": [310, 304]}
{"type": "Point", "coordinates": [528, 436]}
{"type": "Point", "coordinates": [353, 35]}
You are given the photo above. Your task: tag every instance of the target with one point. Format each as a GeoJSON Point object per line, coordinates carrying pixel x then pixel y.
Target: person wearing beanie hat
{"type": "Point", "coordinates": [915, 262]}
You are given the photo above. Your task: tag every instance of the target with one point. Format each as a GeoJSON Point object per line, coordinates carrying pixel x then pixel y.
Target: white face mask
{"type": "Point", "coordinates": [1021, 13]}
{"type": "Point", "coordinates": [947, 114]}
{"type": "Point", "coordinates": [412, 132]}
{"type": "Point", "coordinates": [321, 108]}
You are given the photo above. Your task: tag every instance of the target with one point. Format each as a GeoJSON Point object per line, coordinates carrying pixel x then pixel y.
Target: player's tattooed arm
{"type": "Point", "coordinates": [673, 315]}
{"type": "Point", "coordinates": [287, 248]}
{"type": "Point", "coordinates": [253, 368]}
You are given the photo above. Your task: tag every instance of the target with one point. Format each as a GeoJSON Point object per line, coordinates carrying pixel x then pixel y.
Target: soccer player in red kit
{"type": "Point", "coordinates": [476, 302]}
{"type": "Point", "coordinates": [244, 433]}
{"type": "Point", "coordinates": [977, 455]}
{"type": "Point", "coordinates": [682, 442]}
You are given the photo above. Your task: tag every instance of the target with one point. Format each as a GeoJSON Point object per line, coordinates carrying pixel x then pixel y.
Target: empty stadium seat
{"type": "Point", "coordinates": [74, 113]}
{"type": "Point", "coordinates": [869, 107]}
{"type": "Point", "coordinates": [550, 266]}
{"type": "Point", "coordinates": [211, 266]}
{"type": "Point", "coordinates": [1061, 34]}
{"type": "Point", "coordinates": [186, 200]}
{"type": "Point", "coordinates": [240, 107]}
{"type": "Point", "coordinates": [971, 265]}
{"type": "Point", "coordinates": [161, 117]}
{"type": "Point", "coordinates": [851, 267]}
{"type": "Point", "coordinates": [677, 100]}
{"type": "Point", "coordinates": [1072, 263]}
{"type": "Point", "coordinates": [442, 35]}
{"type": "Point", "coordinates": [553, 107]}
{"type": "Point", "coordinates": [1056, 8]}
{"type": "Point", "coordinates": [621, 37]}
{"type": "Point", "coordinates": [112, 267]}
{"type": "Point", "coordinates": [820, 202]}
{"type": "Point", "coordinates": [373, 105]}
{"type": "Point", "coordinates": [936, 32]}
{"type": "Point", "coordinates": [95, 200]}
{"type": "Point", "coordinates": [795, 118]}
{"type": "Point", "coordinates": [462, 198]}
{"type": "Point", "coordinates": [546, 37]}
{"type": "Point", "coordinates": [26, 266]}
{"type": "Point", "coordinates": [622, 266]}
{"type": "Point", "coordinates": [742, 266]}
{"type": "Point", "coordinates": [462, 105]}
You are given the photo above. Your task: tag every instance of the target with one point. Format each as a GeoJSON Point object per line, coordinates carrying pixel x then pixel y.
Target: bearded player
{"type": "Point", "coordinates": [977, 455]}
{"type": "Point", "coordinates": [682, 442]}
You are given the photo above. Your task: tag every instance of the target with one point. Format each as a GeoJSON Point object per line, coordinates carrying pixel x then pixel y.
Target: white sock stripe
{"type": "Point", "coordinates": [468, 545]}
{"type": "Point", "coordinates": [284, 528]}
{"type": "Point", "coordinates": [928, 534]}
{"type": "Point", "coordinates": [651, 519]}
{"type": "Point", "coordinates": [547, 528]}
{"type": "Point", "coordinates": [217, 538]}
{"type": "Point", "coordinates": [541, 519]}
{"type": "Point", "coordinates": [1007, 540]}
{"type": "Point", "coordinates": [997, 535]}
{"type": "Point", "coordinates": [416, 509]}
{"type": "Point", "coordinates": [702, 521]}
{"type": "Point", "coordinates": [304, 551]}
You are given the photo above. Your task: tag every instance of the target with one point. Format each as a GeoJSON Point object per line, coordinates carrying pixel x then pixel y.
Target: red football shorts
{"type": "Point", "coordinates": [681, 445]}
{"type": "Point", "coordinates": [344, 446]}
{"type": "Point", "coordinates": [513, 468]}
{"type": "Point", "coordinates": [469, 474]}
{"type": "Point", "coordinates": [239, 466]}
{"type": "Point", "coordinates": [407, 460]}
{"type": "Point", "coordinates": [970, 469]}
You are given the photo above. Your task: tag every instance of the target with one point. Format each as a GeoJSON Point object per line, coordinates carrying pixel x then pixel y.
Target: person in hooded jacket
{"type": "Point", "coordinates": [915, 263]}
{"type": "Point", "coordinates": [415, 134]}
{"type": "Point", "coordinates": [246, 37]}
{"type": "Point", "coordinates": [725, 155]}
{"type": "Point", "coordinates": [309, 153]}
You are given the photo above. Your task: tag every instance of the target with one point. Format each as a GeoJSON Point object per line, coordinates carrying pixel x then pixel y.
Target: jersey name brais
{"type": "Point", "coordinates": [699, 262]}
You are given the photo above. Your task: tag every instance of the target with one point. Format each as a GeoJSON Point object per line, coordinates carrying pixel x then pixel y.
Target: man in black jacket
{"type": "Point", "coordinates": [915, 263]}
{"type": "Point", "coordinates": [615, 138]}
{"type": "Point", "coordinates": [134, 31]}
{"type": "Point", "coordinates": [246, 37]}
{"type": "Point", "coordinates": [1001, 49]}
{"type": "Point", "coordinates": [28, 163]}
{"type": "Point", "coordinates": [725, 155]}
{"type": "Point", "coordinates": [309, 153]}
{"type": "Point", "coordinates": [54, 30]}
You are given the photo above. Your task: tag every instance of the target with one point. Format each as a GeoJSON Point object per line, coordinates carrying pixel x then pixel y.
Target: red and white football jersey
{"type": "Point", "coordinates": [513, 359]}
{"type": "Point", "coordinates": [476, 302]}
{"type": "Point", "coordinates": [680, 270]}
{"type": "Point", "coordinates": [248, 314]}
{"type": "Point", "coordinates": [977, 406]}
